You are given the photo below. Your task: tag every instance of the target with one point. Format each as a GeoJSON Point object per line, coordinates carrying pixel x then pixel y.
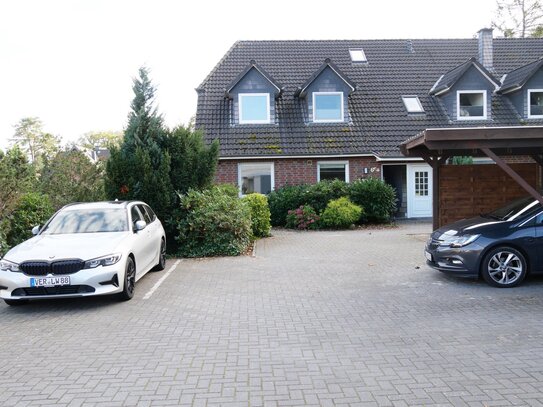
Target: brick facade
{"type": "Point", "coordinates": [292, 171]}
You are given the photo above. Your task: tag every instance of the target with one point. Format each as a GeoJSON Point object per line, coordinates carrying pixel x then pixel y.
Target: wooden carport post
{"type": "Point", "coordinates": [435, 163]}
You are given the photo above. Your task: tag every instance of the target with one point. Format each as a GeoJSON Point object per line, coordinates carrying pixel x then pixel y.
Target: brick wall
{"type": "Point", "coordinates": [299, 170]}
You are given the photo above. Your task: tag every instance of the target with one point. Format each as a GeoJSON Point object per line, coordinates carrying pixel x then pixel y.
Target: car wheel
{"type": "Point", "coordinates": [14, 303]}
{"type": "Point", "coordinates": [504, 267]}
{"type": "Point", "coordinates": [161, 257]}
{"type": "Point", "coordinates": [129, 280]}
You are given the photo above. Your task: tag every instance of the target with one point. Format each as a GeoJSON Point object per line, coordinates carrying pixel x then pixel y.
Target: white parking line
{"type": "Point", "coordinates": [164, 277]}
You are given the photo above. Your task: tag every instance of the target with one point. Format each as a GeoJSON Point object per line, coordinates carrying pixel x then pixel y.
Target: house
{"type": "Point", "coordinates": [290, 112]}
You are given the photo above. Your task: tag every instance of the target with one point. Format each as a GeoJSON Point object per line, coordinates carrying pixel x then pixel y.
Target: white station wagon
{"type": "Point", "coordinates": [85, 249]}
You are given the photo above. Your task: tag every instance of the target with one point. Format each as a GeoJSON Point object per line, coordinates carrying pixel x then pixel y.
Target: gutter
{"type": "Point", "coordinates": [271, 157]}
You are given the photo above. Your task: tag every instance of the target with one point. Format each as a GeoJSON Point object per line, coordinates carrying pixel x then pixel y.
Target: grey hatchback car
{"type": "Point", "coordinates": [502, 246]}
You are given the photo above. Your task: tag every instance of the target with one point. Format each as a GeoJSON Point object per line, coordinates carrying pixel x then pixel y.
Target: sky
{"type": "Point", "coordinates": [71, 62]}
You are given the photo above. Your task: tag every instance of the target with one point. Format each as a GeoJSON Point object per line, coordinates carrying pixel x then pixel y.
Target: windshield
{"type": "Point", "coordinates": [521, 206]}
{"type": "Point", "coordinates": [87, 221]}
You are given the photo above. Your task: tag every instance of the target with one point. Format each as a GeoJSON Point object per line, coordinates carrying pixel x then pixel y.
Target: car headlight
{"type": "Point", "coordinates": [457, 241]}
{"type": "Point", "coordinates": [108, 260]}
{"type": "Point", "coordinates": [6, 265]}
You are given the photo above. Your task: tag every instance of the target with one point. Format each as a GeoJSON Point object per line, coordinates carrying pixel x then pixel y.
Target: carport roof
{"type": "Point", "coordinates": [439, 142]}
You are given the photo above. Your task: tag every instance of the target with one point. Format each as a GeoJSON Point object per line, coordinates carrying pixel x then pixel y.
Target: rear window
{"type": "Point", "coordinates": [87, 221]}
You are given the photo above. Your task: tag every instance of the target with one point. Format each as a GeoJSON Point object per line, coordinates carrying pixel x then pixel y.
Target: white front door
{"type": "Point", "coordinates": [419, 191]}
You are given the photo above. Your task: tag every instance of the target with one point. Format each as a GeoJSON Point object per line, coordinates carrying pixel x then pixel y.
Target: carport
{"type": "Point", "coordinates": [503, 145]}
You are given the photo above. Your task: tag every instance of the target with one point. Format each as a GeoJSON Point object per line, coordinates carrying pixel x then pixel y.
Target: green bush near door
{"type": "Point", "coordinates": [377, 198]}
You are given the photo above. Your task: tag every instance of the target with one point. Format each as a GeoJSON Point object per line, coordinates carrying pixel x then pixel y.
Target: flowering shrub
{"type": "Point", "coordinates": [303, 218]}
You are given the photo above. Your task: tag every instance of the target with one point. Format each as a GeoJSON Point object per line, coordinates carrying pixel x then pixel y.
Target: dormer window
{"type": "Point", "coordinates": [471, 105]}
{"type": "Point", "coordinates": [327, 107]}
{"type": "Point", "coordinates": [535, 99]}
{"type": "Point", "coordinates": [254, 108]}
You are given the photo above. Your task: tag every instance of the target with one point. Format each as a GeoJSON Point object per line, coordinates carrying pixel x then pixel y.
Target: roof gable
{"type": "Point", "coordinates": [327, 64]}
{"type": "Point", "coordinates": [261, 71]}
{"type": "Point", "coordinates": [517, 78]}
{"type": "Point", "coordinates": [447, 81]}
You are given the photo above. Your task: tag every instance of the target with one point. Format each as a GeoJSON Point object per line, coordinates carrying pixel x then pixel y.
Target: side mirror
{"type": "Point", "coordinates": [140, 225]}
{"type": "Point", "coordinates": [36, 230]}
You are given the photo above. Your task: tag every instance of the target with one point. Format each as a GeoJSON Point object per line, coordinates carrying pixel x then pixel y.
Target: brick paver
{"type": "Point", "coordinates": [350, 318]}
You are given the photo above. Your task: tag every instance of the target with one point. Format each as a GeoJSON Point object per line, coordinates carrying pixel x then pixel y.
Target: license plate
{"type": "Point", "coordinates": [49, 281]}
{"type": "Point", "coordinates": [428, 256]}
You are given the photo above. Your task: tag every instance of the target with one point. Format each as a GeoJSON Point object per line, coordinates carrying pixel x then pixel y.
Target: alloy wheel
{"type": "Point", "coordinates": [505, 267]}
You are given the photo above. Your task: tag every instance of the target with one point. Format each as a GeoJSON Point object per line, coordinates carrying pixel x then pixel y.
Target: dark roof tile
{"type": "Point", "coordinates": [378, 119]}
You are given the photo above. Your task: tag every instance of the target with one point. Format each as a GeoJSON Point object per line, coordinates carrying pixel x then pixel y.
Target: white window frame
{"type": "Point", "coordinates": [485, 107]}
{"type": "Point", "coordinates": [421, 109]}
{"type": "Point", "coordinates": [342, 119]}
{"type": "Point", "coordinates": [530, 115]}
{"type": "Point", "coordinates": [240, 108]}
{"type": "Point", "coordinates": [346, 163]}
{"type": "Point", "coordinates": [354, 60]}
{"type": "Point", "coordinates": [272, 169]}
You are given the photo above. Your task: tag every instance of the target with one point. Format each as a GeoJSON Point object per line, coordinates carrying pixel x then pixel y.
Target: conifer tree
{"type": "Point", "coordinates": [140, 168]}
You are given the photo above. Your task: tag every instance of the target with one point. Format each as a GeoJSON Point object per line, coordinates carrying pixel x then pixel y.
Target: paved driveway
{"type": "Point", "coordinates": [320, 318]}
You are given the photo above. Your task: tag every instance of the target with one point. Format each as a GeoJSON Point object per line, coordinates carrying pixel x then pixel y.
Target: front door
{"type": "Point", "coordinates": [419, 191]}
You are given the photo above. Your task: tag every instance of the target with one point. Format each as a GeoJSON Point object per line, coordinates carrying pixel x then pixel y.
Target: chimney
{"type": "Point", "coordinates": [485, 48]}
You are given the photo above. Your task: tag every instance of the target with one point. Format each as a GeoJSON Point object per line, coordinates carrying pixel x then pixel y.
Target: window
{"type": "Point", "coordinates": [150, 212]}
{"type": "Point", "coordinates": [136, 215]}
{"type": "Point", "coordinates": [471, 105]}
{"type": "Point", "coordinates": [333, 170]}
{"type": "Point", "coordinates": [145, 215]}
{"type": "Point", "coordinates": [254, 108]}
{"type": "Point", "coordinates": [412, 104]}
{"type": "Point", "coordinates": [535, 97]}
{"type": "Point", "coordinates": [327, 106]}
{"type": "Point", "coordinates": [255, 177]}
{"type": "Point", "coordinates": [421, 183]}
{"type": "Point", "coordinates": [358, 55]}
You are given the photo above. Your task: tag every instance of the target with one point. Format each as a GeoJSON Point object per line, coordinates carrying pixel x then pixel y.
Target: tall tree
{"type": "Point", "coordinates": [519, 18]}
{"type": "Point", "coordinates": [102, 139]}
{"type": "Point", "coordinates": [193, 164]}
{"type": "Point", "coordinates": [16, 178]}
{"type": "Point", "coordinates": [71, 177]}
{"type": "Point", "coordinates": [140, 168]}
{"type": "Point", "coordinates": [31, 138]}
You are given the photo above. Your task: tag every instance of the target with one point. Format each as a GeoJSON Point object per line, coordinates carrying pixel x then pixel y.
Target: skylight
{"type": "Point", "coordinates": [412, 104]}
{"type": "Point", "coordinates": [357, 55]}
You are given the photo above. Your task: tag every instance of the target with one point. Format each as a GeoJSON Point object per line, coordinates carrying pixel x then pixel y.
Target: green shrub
{"type": "Point", "coordinates": [318, 195]}
{"type": "Point", "coordinates": [376, 197]}
{"type": "Point", "coordinates": [228, 189]}
{"type": "Point", "coordinates": [213, 223]}
{"type": "Point", "coordinates": [284, 199]}
{"type": "Point", "coordinates": [33, 209]}
{"type": "Point", "coordinates": [340, 213]}
{"type": "Point", "coordinates": [303, 218]}
{"type": "Point", "coordinates": [260, 214]}
{"type": "Point", "coordinates": [293, 196]}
